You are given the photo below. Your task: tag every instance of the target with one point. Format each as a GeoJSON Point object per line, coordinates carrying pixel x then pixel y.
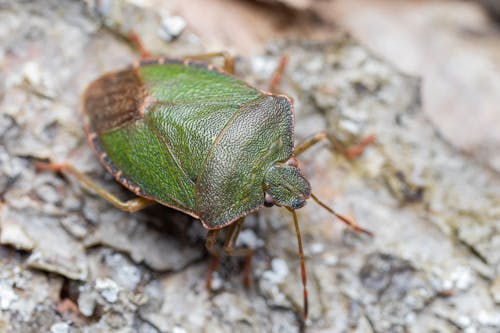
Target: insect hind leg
{"type": "Point", "coordinates": [132, 205]}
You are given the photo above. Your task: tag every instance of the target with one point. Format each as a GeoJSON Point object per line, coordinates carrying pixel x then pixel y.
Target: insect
{"type": "Point", "coordinates": [192, 137]}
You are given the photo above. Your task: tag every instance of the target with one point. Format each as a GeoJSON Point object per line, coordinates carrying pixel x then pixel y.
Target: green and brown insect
{"type": "Point", "coordinates": [192, 137]}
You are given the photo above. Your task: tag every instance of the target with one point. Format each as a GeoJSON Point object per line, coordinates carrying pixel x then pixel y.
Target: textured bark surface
{"type": "Point", "coordinates": [73, 263]}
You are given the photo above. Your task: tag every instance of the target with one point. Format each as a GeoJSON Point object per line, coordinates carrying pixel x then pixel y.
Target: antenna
{"type": "Point", "coordinates": [302, 262]}
{"type": "Point", "coordinates": [353, 225]}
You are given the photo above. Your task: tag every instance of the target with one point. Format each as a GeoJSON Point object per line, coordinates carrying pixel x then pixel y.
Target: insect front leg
{"type": "Point", "coordinates": [132, 205]}
{"type": "Point", "coordinates": [210, 245]}
{"type": "Point", "coordinates": [308, 143]}
{"type": "Point", "coordinates": [349, 153]}
{"type": "Point", "coordinates": [275, 81]}
{"type": "Point", "coordinates": [230, 249]}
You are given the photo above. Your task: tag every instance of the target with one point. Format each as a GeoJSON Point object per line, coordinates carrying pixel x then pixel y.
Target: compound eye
{"type": "Point", "coordinates": [268, 201]}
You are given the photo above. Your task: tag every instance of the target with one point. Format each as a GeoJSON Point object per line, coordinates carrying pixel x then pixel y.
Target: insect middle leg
{"type": "Point", "coordinates": [228, 59]}
{"type": "Point", "coordinates": [132, 205]}
{"type": "Point", "coordinates": [145, 54]}
{"type": "Point", "coordinates": [139, 46]}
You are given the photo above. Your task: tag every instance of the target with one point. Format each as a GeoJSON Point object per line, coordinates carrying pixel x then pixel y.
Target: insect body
{"type": "Point", "coordinates": [192, 137]}
{"type": "Point", "coordinates": [195, 139]}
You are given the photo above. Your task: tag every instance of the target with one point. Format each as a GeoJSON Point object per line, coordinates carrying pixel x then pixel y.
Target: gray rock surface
{"type": "Point", "coordinates": [73, 263]}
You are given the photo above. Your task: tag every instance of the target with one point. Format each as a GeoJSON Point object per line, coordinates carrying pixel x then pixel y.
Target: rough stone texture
{"type": "Point", "coordinates": [453, 46]}
{"type": "Point", "coordinates": [73, 263]}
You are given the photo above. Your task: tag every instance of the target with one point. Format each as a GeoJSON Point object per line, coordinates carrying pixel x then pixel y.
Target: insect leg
{"type": "Point", "coordinates": [210, 243]}
{"type": "Point", "coordinates": [278, 74]}
{"type": "Point", "coordinates": [228, 59]}
{"type": "Point", "coordinates": [230, 249]}
{"type": "Point", "coordinates": [358, 149]}
{"type": "Point", "coordinates": [308, 143]}
{"type": "Point", "coordinates": [349, 153]}
{"type": "Point", "coordinates": [132, 205]}
{"type": "Point", "coordinates": [136, 41]}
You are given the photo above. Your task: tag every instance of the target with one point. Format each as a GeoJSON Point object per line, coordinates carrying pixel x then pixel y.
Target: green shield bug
{"type": "Point", "coordinates": [192, 137]}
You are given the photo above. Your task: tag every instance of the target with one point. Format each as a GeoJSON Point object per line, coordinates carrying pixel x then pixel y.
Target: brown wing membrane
{"type": "Point", "coordinates": [114, 100]}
